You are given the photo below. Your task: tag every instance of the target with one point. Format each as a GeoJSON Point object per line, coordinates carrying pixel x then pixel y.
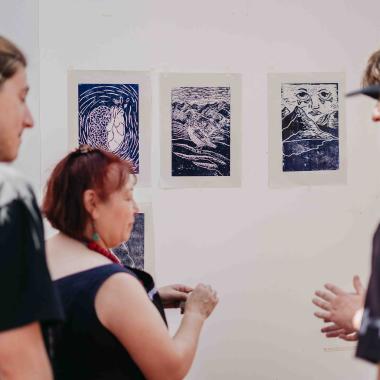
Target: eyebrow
{"type": "Point", "coordinates": [301, 89]}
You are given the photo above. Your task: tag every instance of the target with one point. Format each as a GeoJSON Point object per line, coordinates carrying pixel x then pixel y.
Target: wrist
{"type": "Point", "coordinates": [357, 319]}
{"type": "Point", "coordinates": [196, 315]}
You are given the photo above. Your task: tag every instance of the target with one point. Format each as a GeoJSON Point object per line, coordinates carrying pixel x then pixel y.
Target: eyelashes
{"type": "Point", "coordinates": [303, 95]}
{"type": "Point", "coordinates": [324, 95]}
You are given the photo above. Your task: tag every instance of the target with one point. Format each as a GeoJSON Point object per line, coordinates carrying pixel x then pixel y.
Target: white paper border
{"type": "Point", "coordinates": [172, 80]}
{"type": "Point", "coordinates": [116, 77]}
{"type": "Point", "coordinates": [278, 178]}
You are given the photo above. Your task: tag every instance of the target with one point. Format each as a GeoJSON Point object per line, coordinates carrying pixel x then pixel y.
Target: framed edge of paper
{"type": "Point", "coordinates": [170, 81]}
{"type": "Point", "coordinates": [279, 178]}
{"type": "Point", "coordinates": [93, 77]}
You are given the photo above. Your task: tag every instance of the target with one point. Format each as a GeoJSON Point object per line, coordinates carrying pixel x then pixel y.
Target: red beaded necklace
{"type": "Point", "coordinates": [104, 252]}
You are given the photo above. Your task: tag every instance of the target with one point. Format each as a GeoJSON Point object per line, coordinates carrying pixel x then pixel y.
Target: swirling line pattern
{"type": "Point", "coordinates": [109, 119]}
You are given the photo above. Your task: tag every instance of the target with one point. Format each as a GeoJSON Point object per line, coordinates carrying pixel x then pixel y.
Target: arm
{"type": "Point", "coordinates": [173, 295]}
{"type": "Point", "coordinates": [26, 343]}
{"type": "Point", "coordinates": [124, 309]}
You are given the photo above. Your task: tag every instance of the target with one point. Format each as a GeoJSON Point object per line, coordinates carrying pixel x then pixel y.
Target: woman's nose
{"type": "Point", "coordinates": [28, 119]}
{"type": "Point", "coordinates": [376, 112]}
{"type": "Point", "coordinates": [135, 207]}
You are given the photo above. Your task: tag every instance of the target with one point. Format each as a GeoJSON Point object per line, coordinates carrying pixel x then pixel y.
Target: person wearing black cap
{"type": "Point", "coordinates": [368, 347]}
{"type": "Point", "coordinates": [371, 83]}
{"type": "Point", "coordinates": [350, 320]}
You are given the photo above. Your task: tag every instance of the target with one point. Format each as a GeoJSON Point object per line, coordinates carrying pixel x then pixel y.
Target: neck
{"type": "Point", "coordinates": [88, 235]}
{"type": "Point", "coordinates": [94, 246]}
{"type": "Point", "coordinates": [100, 243]}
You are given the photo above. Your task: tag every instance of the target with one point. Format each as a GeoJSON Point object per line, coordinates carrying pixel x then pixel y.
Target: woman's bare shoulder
{"type": "Point", "coordinates": [66, 256]}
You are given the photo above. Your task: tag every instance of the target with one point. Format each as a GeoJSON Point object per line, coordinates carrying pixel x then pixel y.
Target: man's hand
{"type": "Point", "coordinates": [334, 331]}
{"type": "Point", "coordinates": [339, 307]}
{"type": "Point", "coordinates": [173, 295]}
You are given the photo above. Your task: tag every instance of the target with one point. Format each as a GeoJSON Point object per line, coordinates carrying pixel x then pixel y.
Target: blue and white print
{"type": "Point", "coordinates": [201, 118]}
{"type": "Point", "coordinates": [310, 126]}
{"type": "Point", "coordinates": [131, 252]}
{"type": "Point", "coordinates": [109, 119]}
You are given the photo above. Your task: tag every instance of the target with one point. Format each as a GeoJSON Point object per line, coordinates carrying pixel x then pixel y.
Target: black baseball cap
{"type": "Point", "coordinates": [372, 91]}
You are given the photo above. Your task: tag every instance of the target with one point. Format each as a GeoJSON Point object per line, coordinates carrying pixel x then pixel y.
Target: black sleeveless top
{"type": "Point", "coordinates": [84, 348]}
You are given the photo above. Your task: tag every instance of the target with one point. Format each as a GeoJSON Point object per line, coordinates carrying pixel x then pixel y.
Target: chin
{"type": "Point", "coordinates": [118, 242]}
{"type": "Point", "coordinates": [8, 156]}
{"type": "Point", "coordinates": [127, 236]}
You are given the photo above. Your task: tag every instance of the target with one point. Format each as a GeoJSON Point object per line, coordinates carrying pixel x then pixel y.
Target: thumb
{"type": "Point", "coordinates": [180, 296]}
{"type": "Point", "coordinates": [183, 288]}
{"type": "Point", "coordinates": [358, 285]}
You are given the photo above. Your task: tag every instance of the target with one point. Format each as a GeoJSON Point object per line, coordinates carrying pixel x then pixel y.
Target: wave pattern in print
{"type": "Point", "coordinates": [131, 252]}
{"type": "Point", "coordinates": [310, 126]}
{"type": "Point", "coordinates": [201, 131]}
{"type": "Point", "coordinates": [109, 119]}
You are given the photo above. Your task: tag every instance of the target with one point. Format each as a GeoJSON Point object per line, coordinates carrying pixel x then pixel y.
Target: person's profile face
{"type": "Point", "coordinates": [376, 112]}
{"type": "Point", "coordinates": [14, 114]}
{"type": "Point", "coordinates": [117, 215]}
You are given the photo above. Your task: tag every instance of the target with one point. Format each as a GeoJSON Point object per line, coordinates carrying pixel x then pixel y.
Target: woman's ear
{"type": "Point", "coordinates": [91, 202]}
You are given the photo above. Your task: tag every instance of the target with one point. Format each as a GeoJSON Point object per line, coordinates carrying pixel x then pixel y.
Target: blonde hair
{"type": "Point", "coordinates": [372, 72]}
{"type": "Point", "coordinates": [11, 58]}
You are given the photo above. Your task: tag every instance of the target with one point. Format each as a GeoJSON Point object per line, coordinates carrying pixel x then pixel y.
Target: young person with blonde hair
{"type": "Point", "coordinates": [29, 303]}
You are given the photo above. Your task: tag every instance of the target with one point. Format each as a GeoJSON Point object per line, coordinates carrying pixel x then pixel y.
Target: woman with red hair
{"type": "Point", "coordinates": [116, 326]}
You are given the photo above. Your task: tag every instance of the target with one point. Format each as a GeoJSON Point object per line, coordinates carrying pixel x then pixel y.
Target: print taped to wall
{"type": "Point", "coordinates": [200, 130]}
{"type": "Point", "coordinates": [137, 251]}
{"type": "Point", "coordinates": [109, 110]}
{"type": "Point", "coordinates": [108, 118]}
{"type": "Point", "coordinates": [131, 252]}
{"type": "Point", "coordinates": [201, 122]}
{"type": "Point", "coordinates": [310, 126]}
{"type": "Point", "coordinates": [306, 129]}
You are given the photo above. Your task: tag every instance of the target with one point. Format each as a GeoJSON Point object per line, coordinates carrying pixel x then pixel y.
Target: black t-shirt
{"type": "Point", "coordinates": [27, 293]}
{"type": "Point", "coordinates": [369, 336]}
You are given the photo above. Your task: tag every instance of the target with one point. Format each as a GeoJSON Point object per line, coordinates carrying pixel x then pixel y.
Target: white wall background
{"type": "Point", "coordinates": [264, 250]}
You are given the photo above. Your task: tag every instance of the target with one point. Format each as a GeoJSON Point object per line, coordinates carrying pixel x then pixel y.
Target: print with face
{"type": "Point", "coordinates": [310, 126]}
{"type": "Point", "coordinates": [317, 100]}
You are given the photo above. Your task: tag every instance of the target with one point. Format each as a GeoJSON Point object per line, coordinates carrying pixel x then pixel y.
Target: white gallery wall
{"type": "Point", "coordinates": [264, 250]}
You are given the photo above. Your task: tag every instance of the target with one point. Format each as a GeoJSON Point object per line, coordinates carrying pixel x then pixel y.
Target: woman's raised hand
{"type": "Point", "coordinates": [202, 300]}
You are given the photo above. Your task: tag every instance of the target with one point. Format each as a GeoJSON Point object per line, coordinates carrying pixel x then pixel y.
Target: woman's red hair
{"type": "Point", "coordinates": [85, 168]}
